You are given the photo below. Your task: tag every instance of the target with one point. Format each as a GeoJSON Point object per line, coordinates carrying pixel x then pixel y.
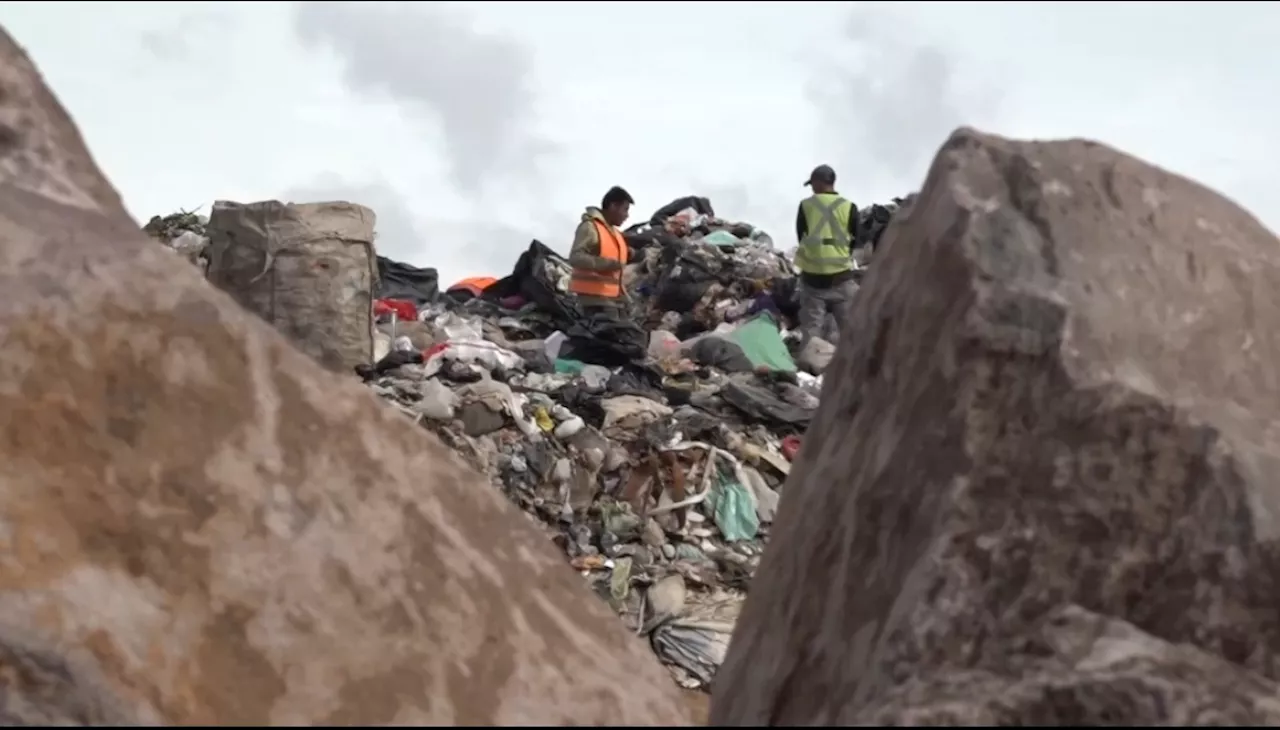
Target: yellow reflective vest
{"type": "Point", "coordinates": [826, 248]}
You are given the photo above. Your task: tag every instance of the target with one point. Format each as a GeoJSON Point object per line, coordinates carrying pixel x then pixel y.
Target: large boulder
{"type": "Point", "coordinates": [198, 526]}
{"type": "Point", "coordinates": [1039, 489]}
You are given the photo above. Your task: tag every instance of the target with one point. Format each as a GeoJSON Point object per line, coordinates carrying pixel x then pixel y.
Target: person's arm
{"type": "Point", "coordinates": [854, 240]}
{"type": "Point", "coordinates": [585, 253]}
{"type": "Point", "coordinates": [802, 225]}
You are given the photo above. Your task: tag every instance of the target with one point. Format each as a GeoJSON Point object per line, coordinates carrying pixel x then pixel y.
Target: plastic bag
{"type": "Point", "coordinates": [663, 344]}
{"type": "Point", "coordinates": [486, 354]}
{"type": "Point", "coordinates": [688, 219]}
{"type": "Point", "coordinates": [438, 401]}
{"type": "Point", "coordinates": [733, 508]}
{"type": "Point", "coordinates": [697, 640]}
{"type": "Point", "coordinates": [553, 343]}
{"type": "Point", "coordinates": [456, 327]}
{"type": "Point", "coordinates": [721, 238]}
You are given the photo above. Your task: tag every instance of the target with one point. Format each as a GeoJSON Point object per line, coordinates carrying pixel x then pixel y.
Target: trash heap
{"type": "Point", "coordinates": [651, 451]}
{"type": "Point", "coordinates": [184, 232]}
{"type": "Point", "coordinates": [873, 220]}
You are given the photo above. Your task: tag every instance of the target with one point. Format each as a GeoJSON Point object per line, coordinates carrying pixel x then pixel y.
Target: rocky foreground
{"type": "Point", "coordinates": [1040, 489]}
{"type": "Point", "coordinates": [1035, 491]}
{"type": "Point", "coordinates": [202, 527]}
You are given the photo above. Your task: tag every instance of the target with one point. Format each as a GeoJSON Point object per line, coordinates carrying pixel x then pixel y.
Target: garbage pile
{"type": "Point", "coordinates": [652, 457]}
{"type": "Point", "coordinates": [651, 451]}
{"type": "Point", "coordinates": [873, 220]}
{"type": "Point", "coordinates": [184, 232]}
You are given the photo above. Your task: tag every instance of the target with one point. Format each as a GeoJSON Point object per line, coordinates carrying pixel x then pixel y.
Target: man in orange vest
{"type": "Point", "coordinates": [600, 253]}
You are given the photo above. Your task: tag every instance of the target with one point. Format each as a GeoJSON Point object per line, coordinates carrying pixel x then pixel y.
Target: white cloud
{"type": "Point", "coordinates": [441, 115]}
{"type": "Point", "coordinates": [889, 96]}
{"type": "Point", "coordinates": [470, 86]}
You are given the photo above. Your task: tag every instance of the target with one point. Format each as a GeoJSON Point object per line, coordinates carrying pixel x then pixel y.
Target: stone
{"type": "Point", "coordinates": [200, 526]}
{"type": "Point", "coordinates": [1040, 487]}
{"type": "Point", "coordinates": [654, 536]}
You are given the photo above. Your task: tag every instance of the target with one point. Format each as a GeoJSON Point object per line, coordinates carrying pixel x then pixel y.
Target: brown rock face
{"type": "Point", "coordinates": [199, 526]}
{"type": "Point", "coordinates": [1040, 486]}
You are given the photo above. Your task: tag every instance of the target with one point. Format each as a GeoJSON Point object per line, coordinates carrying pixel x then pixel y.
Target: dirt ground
{"type": "Point", "coordinates": [699, 706]}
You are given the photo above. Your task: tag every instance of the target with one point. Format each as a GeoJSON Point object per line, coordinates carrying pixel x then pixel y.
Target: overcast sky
{"type": "Point", "coordinates": [473, 127]}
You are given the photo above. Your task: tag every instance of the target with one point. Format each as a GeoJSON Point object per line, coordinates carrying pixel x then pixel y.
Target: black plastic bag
{"type": "Point", "coordinates": [685, 279]}
{"type": "Point", "coordinates": [533, 279]}
{"type": "Point", "coordinates": [603, 337]}
{"type": "Point", "coordinates": [398, 280]}
{"type": "Point", "coordinates": [718, 352]}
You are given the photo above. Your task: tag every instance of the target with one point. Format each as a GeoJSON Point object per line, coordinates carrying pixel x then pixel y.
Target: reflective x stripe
{"type": "Point", "coordinates": [815, 244]}
{"type": "Point", "coordinates": [839, 236]}
{"type": "Point", "coordinates": [828, 261]}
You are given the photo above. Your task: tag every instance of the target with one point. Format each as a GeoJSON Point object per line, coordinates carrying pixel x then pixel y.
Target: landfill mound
{"type": "Point", "coordinates": [1039, 489]}
{"type": "Point", "coordinates": [183, 232]}
{"type": "Point", "coordinates": [653, 453]}
{"type": "Point", "coordinates": [203, 527]}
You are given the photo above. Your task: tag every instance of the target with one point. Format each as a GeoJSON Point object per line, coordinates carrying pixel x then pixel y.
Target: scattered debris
{"type": "Point", "coordinates": [651, 452]}
{"type": "Point", "coordinates": [184, 232]}
{"type": "Point", "coordinates": [166, 228]}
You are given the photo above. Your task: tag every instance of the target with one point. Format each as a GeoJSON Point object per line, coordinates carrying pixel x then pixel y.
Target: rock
{"type": "Point", "coordinates": [317, 560]}
{"type": "Point", "coordinates": [1039, 488]}
{"type": "Point", "coordinates": [479, 419]}
{"type": "Point", "coordinates": [654, 536]}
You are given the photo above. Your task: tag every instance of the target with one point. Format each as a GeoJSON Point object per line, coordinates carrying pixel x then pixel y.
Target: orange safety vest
{"type": "Point", "coordinates": [474, 284]}
{"type": "Point", "coordinates": [607, 284]}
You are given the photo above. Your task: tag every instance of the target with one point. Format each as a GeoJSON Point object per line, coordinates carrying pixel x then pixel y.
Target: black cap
{"type": "Point", "coordinates": [822, 174]}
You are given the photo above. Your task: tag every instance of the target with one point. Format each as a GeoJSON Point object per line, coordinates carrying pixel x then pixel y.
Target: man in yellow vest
{"type": "Point", "coordinates": [599, 253]}
{"type": "Point", "coordinates": [827, 227]}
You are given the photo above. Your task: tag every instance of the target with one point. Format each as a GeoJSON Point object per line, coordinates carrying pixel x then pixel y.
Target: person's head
{"type": "Point", "coordinates": [616, 206]}
{"type": "Point", "coordinates": [822, 179]}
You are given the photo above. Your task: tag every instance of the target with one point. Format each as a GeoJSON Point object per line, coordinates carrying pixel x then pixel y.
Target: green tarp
{"type": "Point", "coordinates": [732, 508]}
{"type": "Point", "coordinates": [565, 366]}
{"type": "Point", "coordinates": [762, 343]}
{"type": "Point", "coordinates": [722, 238]}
